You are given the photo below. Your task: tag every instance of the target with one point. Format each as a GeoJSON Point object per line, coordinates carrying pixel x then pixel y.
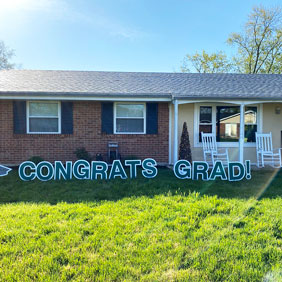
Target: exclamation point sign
{"type": "Point", "coordinates": [248, 170]}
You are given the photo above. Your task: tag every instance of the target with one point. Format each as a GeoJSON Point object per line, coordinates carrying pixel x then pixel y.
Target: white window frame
{"type": "Point", "coordinates": [28, 117]}
{"type": "Point", "coordinates": [130, 103]}
{"type": "Point", "coordinates": [200, 123]}
{"type": "Point", "coordinates": [214, 105]}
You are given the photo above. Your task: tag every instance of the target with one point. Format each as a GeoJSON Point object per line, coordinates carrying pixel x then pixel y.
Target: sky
{"type": "Point", "coordinates": [119, 35]}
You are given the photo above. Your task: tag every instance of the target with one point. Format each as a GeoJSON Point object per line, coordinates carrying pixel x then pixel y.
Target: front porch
{"type": "Point", "coordinates": [233, 122]}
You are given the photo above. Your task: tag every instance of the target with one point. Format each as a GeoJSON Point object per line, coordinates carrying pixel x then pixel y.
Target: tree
{"type": "Point", "coordinates": [205, 63]}
{"type": "Point", "coordinates": [6, 55]}
{"type": "Point", "coordinates": [259, 46]}
{"type": "Point", "coordinates": [185, 148]}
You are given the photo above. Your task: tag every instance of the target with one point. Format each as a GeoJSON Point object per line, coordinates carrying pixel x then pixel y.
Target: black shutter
{"type": "Point", "coordinates": [19, 112]}
{"type": "Point", "coordinates": [152, 118]}
{"type": "Point", "coordinates": [67, 117]}
{"type": "Point", "coordinates": [107, 117]}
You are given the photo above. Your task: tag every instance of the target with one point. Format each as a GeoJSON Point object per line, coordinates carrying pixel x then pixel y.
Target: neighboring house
{"type": "Point", "coordinates": [52, 113]}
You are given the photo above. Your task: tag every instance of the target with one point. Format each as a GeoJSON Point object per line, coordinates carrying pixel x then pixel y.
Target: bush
{"type": "Point", "coordinates": [129, 157]}
{"type": "Point", "coordinates": [185, 148]}
{"type": "Point", "coordinates": [82, 154]}
{"type": "Point", "coordinates": [99, 157]}
{"type": "Point", "coordinates": [36, 159]}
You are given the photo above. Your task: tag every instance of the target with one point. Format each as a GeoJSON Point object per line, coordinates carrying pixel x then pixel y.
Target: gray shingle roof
{"type": "Point", "coordinates": [181, 85]}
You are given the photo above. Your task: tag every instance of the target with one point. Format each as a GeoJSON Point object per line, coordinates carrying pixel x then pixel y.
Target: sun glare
{"type": "Point", "coordinates": [13, 5]}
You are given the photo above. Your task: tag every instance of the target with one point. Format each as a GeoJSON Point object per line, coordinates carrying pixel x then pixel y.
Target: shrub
{"type": "Point", "coordinates": [99, 157]}
{"type": "Point", "coordinates": [82, 154]}
{"type": "Point", "coordinates": [185, 148]}
{"type": "Point", "coordinates": [129, 157]}
{"type": "Point", "coordinates": [36, 159]}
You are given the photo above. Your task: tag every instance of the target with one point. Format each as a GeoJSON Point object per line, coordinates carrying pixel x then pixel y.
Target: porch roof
{"type": "Point", "coordinates": [140, 84]}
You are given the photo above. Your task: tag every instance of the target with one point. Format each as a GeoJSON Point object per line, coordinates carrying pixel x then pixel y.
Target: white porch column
{"type": "Point", "coordinates": [175, 144]}
{"type": "Point", "coordinates": [170, 135]}
{"type": "Point", "coordinates": [242, 133]}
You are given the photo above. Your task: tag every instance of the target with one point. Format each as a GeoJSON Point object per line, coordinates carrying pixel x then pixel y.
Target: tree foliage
{"type": "Point", "coordinates": [6, 54]}
{"type": "Point", "coordinates": [205, 63]}
{"type": "Point", "coordinates": [258, 47]}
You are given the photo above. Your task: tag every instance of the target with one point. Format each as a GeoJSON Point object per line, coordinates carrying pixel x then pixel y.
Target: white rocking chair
{"type": "Point", "coordinates": [211, 152]}
{"type": "Point", "coordinates": [266, 155]}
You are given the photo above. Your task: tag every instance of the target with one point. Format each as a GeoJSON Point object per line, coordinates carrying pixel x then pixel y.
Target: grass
{"type": "Point", "coordinates": [161, 229]}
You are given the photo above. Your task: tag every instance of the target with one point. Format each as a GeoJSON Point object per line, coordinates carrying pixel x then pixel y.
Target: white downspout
{"type": "Point", "coordinates": [169, 135]}
{"type": "Point", "coordinates": [175, 147]}
{"type": "Point", "coordinates": [242, 133]}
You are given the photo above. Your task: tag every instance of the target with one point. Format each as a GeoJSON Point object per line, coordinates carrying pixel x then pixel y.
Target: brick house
{"type": "Point", "coordinates": [52, 113]}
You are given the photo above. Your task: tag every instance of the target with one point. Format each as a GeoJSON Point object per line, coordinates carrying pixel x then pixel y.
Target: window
{"type": "Point", "coordinates": [129, 118]}
{"type": "Point", "coordinates": [225, 122]}
{"type": "Point", "coordinates": [205, 120]}
{"type": "Point", "coordinates": [250, 124]}
{"type": "Point", "coordinates": [43, 117]}
{"type": "Point", "coordinates": [228, 124]}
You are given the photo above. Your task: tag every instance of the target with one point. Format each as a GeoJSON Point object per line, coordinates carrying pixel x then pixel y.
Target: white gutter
{"type": "Point", "coordinates": [84, 98]}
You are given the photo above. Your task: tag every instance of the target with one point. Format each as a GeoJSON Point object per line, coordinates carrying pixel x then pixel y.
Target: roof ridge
{"type": "Point", "coordinates": [141, 72]}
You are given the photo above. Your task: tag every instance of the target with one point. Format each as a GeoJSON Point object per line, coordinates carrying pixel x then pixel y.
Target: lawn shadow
{"type": "Point", "coordinates": [264, 183]}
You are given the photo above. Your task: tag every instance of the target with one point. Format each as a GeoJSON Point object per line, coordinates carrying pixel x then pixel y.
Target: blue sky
{"type": "Point", "coordinates": [118, 35]}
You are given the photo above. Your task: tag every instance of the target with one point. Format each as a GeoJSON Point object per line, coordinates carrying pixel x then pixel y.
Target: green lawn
{"type": "Point", "coordinates": [161, 229]}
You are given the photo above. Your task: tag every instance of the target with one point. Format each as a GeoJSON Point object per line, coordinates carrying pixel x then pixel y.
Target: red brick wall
{"type": "Point", "coordinates": [15, 148]}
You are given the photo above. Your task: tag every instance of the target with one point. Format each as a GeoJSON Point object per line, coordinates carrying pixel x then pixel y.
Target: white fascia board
{"type": "Point", "coordinates": [128, 98]}
{"type": "Point", "coordinates": [83, 98]}
{"type": "Point", "coordinates": [234, 102]}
